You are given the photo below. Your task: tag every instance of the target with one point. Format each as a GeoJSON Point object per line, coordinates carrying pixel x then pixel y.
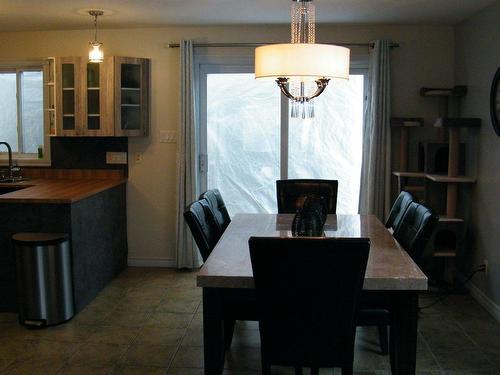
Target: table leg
{"type": "Point", "coordinates": [213, 331]}
{"type": "Point", "coordinates": [403, 341]}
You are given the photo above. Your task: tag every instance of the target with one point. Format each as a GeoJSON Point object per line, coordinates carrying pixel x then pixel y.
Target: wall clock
{"type": "Point", "coordinates": [495, 102]}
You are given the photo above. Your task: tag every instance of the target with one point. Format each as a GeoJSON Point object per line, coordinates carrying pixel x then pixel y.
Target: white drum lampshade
{"type": "Point", "coordinates": [306, 61]}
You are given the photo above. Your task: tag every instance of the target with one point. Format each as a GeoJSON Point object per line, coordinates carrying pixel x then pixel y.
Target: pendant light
{"type": "Point", "coordinates": [96, 55]}
{"type": "Point", "coordinates": [302, 68]}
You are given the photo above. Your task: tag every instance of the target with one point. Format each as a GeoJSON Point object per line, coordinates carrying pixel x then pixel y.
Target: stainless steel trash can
{"type": "Point", "coordinates": [44, 278]}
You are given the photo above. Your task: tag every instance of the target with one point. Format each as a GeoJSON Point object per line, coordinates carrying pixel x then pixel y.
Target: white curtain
{"type": "Point", "coordinates": [376, 163]}
{"type": "Point", "coordinates": [187, 253]}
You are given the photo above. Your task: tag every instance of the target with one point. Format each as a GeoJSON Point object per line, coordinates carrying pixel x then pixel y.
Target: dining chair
{"type": "Point", "coordinates": [398, 209]}
{"type": "Point", "coordinates": [203, 225]}
{"type": "Point", "coordinates": [415, 225]}
{"type": "Point", "coordinates": [415, 229]}
{"type": "Point", "coordinates": [308, 292]}
{"type": "Point", "coordinates": [240, 303]}
{"type": "Point", "coordinates": [291, 194]}
{"type": "Point", "coordinates": [371, 314]}
{"type": "Point", "coordinates": [214, 198]}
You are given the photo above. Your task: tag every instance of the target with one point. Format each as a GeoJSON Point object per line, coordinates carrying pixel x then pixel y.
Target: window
{"type": "Point", "coordinates": [250, 140]}
{"type": "Point", "coordinates": [21, 112]}
{"type": "Point", "coordinates": [330, 145]}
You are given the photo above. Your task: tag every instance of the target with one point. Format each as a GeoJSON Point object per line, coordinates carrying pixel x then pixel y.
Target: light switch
{"type": "Point", "coordinates": [116, 158]}
{"type": "Point", "coordinates": [168, 136]}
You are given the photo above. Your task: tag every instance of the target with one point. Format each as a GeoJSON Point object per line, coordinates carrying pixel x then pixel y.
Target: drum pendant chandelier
{"type": "Point", "coordinates": [302, 68]}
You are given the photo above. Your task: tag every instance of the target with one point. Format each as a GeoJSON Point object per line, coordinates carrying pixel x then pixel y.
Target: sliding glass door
{"type": "Point", "coordinates": [248, 140]}
{"type": "Point", "coordinates": [329, 146]}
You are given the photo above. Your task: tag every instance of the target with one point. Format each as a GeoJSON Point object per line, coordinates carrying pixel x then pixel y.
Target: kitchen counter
{"type": "Point", "coordinates": [43, 190]}
{"type": "Point", "coordinates": [88, 205]}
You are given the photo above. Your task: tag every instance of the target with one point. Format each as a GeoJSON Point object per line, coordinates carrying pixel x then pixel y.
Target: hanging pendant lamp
{"type": "Point", "coordinates": [302, 69]}
{"type": "Point", "coordinates": [96, 54]}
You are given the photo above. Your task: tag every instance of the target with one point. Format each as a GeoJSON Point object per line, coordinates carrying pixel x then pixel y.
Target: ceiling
{"type": "Point", "coordinates": [20, 15]}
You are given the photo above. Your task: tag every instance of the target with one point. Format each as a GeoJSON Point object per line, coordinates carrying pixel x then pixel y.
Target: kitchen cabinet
{"type": "Point", "coordinates": [131, 96]}
{"type": "Point", "coordinates": [101, 99]}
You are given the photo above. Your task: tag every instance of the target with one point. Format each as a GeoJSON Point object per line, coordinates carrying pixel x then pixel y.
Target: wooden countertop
{"type": "Point", "coordinates": [43, 190]}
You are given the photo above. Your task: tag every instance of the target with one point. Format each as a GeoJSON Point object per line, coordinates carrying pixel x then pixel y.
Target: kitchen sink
{"type": "Point", "coordinates": [9, 180]}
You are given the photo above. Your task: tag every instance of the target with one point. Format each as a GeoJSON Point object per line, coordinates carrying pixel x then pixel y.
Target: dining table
{"type": "Point", "coordinates": [392, 279]}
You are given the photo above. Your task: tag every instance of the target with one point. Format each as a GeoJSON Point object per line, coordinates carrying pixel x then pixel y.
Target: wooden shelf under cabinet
{"type": "Point", "coordinates": [450, 179]}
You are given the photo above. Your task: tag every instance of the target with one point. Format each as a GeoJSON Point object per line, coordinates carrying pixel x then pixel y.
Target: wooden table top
{"type": "Point", "coordinates": [389, 266]}
{"type": "Point", "coordinates": [39, 190]}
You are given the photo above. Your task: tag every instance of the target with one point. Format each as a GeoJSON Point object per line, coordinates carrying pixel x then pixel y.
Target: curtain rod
{"type": "Point", "coordinates": [176, 45]}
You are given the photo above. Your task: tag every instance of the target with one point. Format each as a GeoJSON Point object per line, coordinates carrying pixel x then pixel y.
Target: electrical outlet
{"type": "Point", "coordinates": [138, 158]}
{"type": "Point", "coordinates": [116, 158]}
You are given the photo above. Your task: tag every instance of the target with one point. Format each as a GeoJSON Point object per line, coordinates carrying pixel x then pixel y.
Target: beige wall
{"type": "Point", "coordinates": [477, 59]}
{"type": "Point", "coordinates": [425, 58]}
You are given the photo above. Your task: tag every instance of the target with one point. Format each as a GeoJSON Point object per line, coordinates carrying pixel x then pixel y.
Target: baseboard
{"type": "Point", "coordinates": [484, 301]}
{"type": "Point", "coordinates": [152, 262]}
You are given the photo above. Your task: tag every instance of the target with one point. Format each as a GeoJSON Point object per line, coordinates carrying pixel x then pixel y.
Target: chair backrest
{"type": "Point", "coordinates": [204, 228]}
{"type": "Point", "coordinates": [308, 293]}
{"type": "Point", "coordinates": [291, 194]}
{"type": "Point", "coordinates": [214, 198]}
{"type": "Point", "coordinates": [398, 209]}
{"type": "Point", "coordinates": [416, 227]}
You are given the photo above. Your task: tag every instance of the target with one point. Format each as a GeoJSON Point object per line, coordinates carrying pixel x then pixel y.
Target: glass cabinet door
{"type": "Point", "coordinates": [130, 104]}
{"type": "Point", "coordinates": [68, 96]}
{"type": "Point", "coordinates": [93, 97]}
{"type": "Point", "coordinates": [131, 96]}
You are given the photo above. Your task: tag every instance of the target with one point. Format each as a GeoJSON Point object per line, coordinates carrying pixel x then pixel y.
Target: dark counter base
{"type": "Point", "coordinates": [98, 230]}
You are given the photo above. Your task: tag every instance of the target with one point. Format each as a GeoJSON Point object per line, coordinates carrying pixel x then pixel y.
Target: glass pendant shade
{"type": "Point", "coordinates": [96, 55]}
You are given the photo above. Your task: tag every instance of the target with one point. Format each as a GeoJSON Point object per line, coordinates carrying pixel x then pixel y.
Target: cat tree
{"type": "Point", "coordinates": [448, 238]}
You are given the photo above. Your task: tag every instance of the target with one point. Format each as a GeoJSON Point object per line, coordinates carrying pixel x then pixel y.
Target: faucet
{"type": "Point", "coordinates": [9, 149]}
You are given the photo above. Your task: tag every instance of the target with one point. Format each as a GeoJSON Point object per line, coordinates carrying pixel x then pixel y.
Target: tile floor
{"type": "Point", "coordinates": [149, 321]}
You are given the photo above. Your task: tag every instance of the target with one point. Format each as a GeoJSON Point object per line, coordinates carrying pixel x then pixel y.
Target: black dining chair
{"type": "Point", "coordinates": [238, 305]}
{"type": "Point", "coordinates": [415, 229]}
{"type": "Point", "coordinates": [308, 292]}
{"type": "Point", "coordinates": [291, 194]}
{"type": "Point", "coordinates": [415, 223]}
{"type": "Point", "coordinates": [398, 209]}
{"type": "Point", "coordinates": [412, 233]}
{"type": "Point", "coordinates": [214, 198]}
{"type": "Point", "coordinates": [203, 225]}
{"type": "Point", "coordinates": [370, 314]}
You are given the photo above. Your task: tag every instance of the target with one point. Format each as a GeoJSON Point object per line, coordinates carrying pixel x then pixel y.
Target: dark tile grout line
{"type": "Point", "coordinates": [478, 347]}
{"type": "Point", "coordinates": [460, 327]}
{"type": "Point", "coordinates": [441, 370]}
{"type": "Point", "coordinates": [117, 364]}
{"type": "Point", "coordinates": [136, 338]}
{"type": "Point", "coordinates": [183, 337]}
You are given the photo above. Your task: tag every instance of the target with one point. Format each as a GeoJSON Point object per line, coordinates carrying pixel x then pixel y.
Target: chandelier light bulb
{"type": "Point", "coordinates": [96, 54]}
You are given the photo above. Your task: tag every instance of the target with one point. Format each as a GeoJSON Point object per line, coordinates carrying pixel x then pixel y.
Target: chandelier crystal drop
{"type": "Point", "coordinates": [302, 68]}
